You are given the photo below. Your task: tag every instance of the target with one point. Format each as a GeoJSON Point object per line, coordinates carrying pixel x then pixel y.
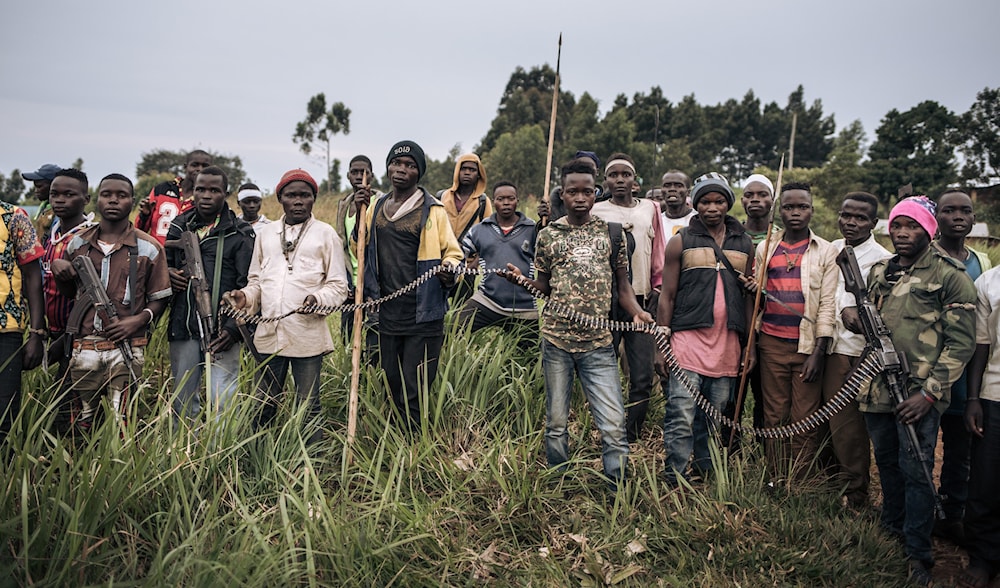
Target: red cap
{"type": "Point", "coordinates": [296, 175]}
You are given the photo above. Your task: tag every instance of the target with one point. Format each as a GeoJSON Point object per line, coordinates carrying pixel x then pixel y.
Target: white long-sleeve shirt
{"type": "Point", "coordinates": [846, 342]}
{"type": "Point", "coordinates": [317, 268]}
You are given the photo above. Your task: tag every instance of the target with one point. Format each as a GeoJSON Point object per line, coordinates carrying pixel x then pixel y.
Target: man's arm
{"type": "Point", "coordinates": [31, 288]}
{"type": "Point", "coordinates": [671, 277]}
{"type": "Point", "coordinates": [958, 332]}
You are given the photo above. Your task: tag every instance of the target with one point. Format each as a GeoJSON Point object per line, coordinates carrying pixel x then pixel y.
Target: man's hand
{"type": "Point", "coordinates": [913, 409]}
{"type": "Point", "coordinates": [34, 350]}
{"type": "Point", "coordinates": [362, 197]}
{"type": "Point", "coordinates": [236, 298]}
{"type": "Point", "coordinates": [447, 276]}
{"type": "Point", "coordinates": [178, 280]}
{"type": "Point", "coordinates": [513, 274]}
{"type": "Point", "coordinates": [62, 270]}
{"type": "Point", "coordinates": [974, 416]}
{"type": "Point", "coordinates": [145, 206]}
{"type": "Point", "coordinates": [812, 369]}
{"type": "Point", "coordinates": [543, 207]}
{"type": "Point", "coordinates": [126, 327]}
{"type": "Point", "coordinates": [750, 361]}
{"type": "Point", "coordinates": [643, 318]}
{"type": "Point", "coordinates": [221, 343]}
{"type": "Point", "coordinates": [852, 320]}
{"type": "Point", "coordinates": [749, 283]}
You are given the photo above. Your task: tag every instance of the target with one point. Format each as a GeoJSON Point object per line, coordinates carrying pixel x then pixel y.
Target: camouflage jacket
{"type": "Point", "coordinates": [931, 311]}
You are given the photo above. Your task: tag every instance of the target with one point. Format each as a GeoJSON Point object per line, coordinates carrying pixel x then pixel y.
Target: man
{"type": "Point", "coordinates": [297, 261]}
{"type": "Point", "coordinates": [226, 245]}
{"type": "Point", "coordinates": [575, 260]}
{"type": "Point", "coordinates": [641, 218]}
{"type": "Point", "coordinates": [758, 203]}
{"type": "Point", "coordinates": [956, 218]}
{"type": "Point", "coordinates": [467, 205]}
{"type": "Point", "coordinates": [249, 198]}
{"type": "Point", "coordinates": [794, 337]}
{"type": "Point", "coordinates": [677, 211]}
{"type": "Point", "coordinates": [21, 298]}
{"type": "Point", "coordinates": [359, 174]}
{"type": "Point", "coordinates": [928, 303]}
{"type": "Point", "coordinates": [42, 180]}
{"type": "Point", "coordinates": [656, 195]}
{"type": "Point", "coordinates": [846, 429]}
{"type": "Point", "coordinates": [982, 417]}
{"type": "Point", "coordinates": [505, 237]}
{"type": "Point", "coordinates": [168, 199]}
{"type": "Point", "coordinates": [554, 210]}
{"type": "Point", "coordinates": [68, 196]}
{"type": "Point", "coordinates": [119, 252]}
{"type": "Point", "coordinates": [408, 234]}
{"type": "Point", "coordinates": [706, 307]}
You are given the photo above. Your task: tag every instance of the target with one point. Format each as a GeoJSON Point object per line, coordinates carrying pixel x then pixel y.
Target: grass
{"type": "Point", "coordinates": [466, 501]}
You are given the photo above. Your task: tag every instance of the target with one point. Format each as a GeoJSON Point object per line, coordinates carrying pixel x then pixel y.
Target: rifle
{"type": "Point", "coordinates": [878, 339]}
{"type": "Point", "coordinates": [195, 270]}
{"type": "Point", "coordinates": [95, 294]}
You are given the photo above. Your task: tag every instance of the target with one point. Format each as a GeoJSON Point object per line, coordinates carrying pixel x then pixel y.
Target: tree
{"type": "Point", "coordinates": [518, 157]}
{"type": "Point", "coordinates": [916, 146]}
{"type": "Point", "coordinates": [165, 161]}
{"type": "Point", "coordinates": [527, 100]}
{"type": "Point", "coordinates": [813, 131]}
{"type": "Point", "coordinates": [78, 164]}
{"type": "Point", "coordinates": [322, 125]}
{"type": "Point", "coordinates": [12, 188]}
{"type": "Point", "coordinates": [981, 127]}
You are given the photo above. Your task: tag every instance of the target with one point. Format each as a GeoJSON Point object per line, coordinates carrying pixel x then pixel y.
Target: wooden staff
{"type": "Point", "coordinates": [352, 404]}
{"type": "Point", "coordinates": [552, 134]}
{"type": "Point", "coordinates": [761, 284]}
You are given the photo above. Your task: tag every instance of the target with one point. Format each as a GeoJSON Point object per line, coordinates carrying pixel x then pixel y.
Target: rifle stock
{"type": "Point", "coordinates": [94, 293]}
{"type": "Point", "coordinates": [878, 338]}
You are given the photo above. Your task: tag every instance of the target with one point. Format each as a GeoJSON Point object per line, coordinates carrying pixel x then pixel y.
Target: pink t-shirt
{"type": "Point", "coordinates": [714, 351]}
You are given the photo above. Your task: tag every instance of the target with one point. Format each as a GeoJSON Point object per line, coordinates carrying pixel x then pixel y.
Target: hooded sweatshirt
{"type": "Point", "coordinates": [469, 215]}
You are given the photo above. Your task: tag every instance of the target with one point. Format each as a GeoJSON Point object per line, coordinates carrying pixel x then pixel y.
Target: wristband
{"type": "Point", "coordinates": [928, 397]}
{"type": "Point", "coordinates": [151, 315]}
{"type": "Point", "coordinates": [39, 332]}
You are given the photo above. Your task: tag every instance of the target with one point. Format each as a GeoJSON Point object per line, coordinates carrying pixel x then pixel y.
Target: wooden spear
{"type": "Point", "coordinates": [352, 404]}
{"type": "Point", "coordinates": [552, 134]}
{"type": "Point", "coordinates": [752, 319]}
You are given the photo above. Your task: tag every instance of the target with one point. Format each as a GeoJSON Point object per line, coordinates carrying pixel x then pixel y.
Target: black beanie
{"type": "Point", "coordinates": [411, 149]}
{"type": "Point", "coordinates": [712, 182]}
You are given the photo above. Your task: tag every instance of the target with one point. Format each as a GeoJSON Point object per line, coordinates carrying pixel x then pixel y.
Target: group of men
{"type": "Point", "coordinates": [678, 259]}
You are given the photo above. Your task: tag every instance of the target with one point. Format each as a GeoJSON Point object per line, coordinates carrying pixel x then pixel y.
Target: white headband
{"type": "Point", "coordinates": [244, 194]}
{"type": "Point", "coordinates": [762, 179]}
{"type": "Point", "coordinates": [624, 162]}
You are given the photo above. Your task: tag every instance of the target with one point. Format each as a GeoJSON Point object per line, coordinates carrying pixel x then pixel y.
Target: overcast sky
{"type": "Point", "coordinates": [107, 81]}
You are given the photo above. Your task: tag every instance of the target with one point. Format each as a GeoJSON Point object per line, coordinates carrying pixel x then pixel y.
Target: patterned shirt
{"type": "Point", "coordinates": [784, 281]}
{"type": "Point", "coordinates": [57, 306]}
{"type": "Point", "coordinates": [20, 247]}
{"type": "Point", "coordinates": [167, 201]}
{"type": "Point", "coordinates": [577, 259]}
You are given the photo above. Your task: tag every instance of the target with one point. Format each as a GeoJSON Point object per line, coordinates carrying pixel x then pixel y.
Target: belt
{"type": "Point", "coordinates": [105, 345]}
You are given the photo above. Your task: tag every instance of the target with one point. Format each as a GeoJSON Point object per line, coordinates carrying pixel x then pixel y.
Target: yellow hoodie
{"type": "Point", "coordinates": [460, 221]}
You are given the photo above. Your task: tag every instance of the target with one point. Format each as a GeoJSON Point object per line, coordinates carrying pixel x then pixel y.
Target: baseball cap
{"type": "Point", "coordinates": [46, 172]}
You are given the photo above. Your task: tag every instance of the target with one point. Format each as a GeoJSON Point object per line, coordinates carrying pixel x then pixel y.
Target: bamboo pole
{"type": "Point", "coordinates": [552, 134]}
{"type": "Point", "coordinates": [352, 404]}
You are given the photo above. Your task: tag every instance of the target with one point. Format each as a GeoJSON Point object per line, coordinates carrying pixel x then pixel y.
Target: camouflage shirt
{"type": "Point", "coordinates": [931, 310]}
{"type": "Point", "coordinates": [577, 260]}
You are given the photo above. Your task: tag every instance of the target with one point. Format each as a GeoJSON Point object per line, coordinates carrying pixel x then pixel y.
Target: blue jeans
{"type": "Point", "coordinates": [305, 373]}
{"type": "Point", "coordinates": [187, 364]}
{"type": "Point", "coordinates": [686, 427]}
{"type": "Point", "coordinates": [598, 372]}
{"type": "Point", "coordinates": [907, 497]}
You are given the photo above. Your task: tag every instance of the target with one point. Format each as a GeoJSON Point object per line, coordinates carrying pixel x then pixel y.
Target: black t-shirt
{"type": "Point", "coordinates": [397, 244]}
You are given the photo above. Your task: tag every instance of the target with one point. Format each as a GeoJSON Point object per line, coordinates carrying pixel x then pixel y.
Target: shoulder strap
{"type": "Point", "coordinates": [217, 274]}
{"type": "Point", "coordinates": [133, 272]}
{"type": "Point", "coordinates": [721, 257]}
{"type": "Point", "coordinates": [615, 234]}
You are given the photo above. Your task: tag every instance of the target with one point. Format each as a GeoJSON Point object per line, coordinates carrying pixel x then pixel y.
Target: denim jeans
{"type": "Point", "coordinates": [305, 373]}
{"type": "Point", "coordinates": [598, 372]}
{"type": "Point", "coordinates": [686, 427]}
{"type": "Point", "coordinates": [907, 497]}
{"type": "Point", "coordinates": [187, 363]}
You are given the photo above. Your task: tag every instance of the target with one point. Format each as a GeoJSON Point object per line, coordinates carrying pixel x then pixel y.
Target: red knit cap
{"type": "Point", "coordinates": [296, 175]}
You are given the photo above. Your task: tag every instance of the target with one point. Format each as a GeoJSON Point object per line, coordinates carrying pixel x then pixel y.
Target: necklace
{"type": "Point", "coordinates": [790, 262]}
{"type": "Point", "coordinates": [288, 247]}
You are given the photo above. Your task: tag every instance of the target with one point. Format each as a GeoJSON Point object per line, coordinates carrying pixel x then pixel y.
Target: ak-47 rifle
{"type": "Point", "coordinates": [95, 294]}
{"type": "Point", "coordinates": [195, 270]}
{"type": "Point", "coordinates": [878, 338]}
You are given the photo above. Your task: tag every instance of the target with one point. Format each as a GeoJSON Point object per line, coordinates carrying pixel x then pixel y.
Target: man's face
{"type": "Point", "coordinates": [209, 195]}
{"type": "Point", "coordinates": [675, 189]}
{"type": "Point", "coordinates": [578, 193]}
{"type": "Point", "coordinates": [114, 200]}
{"type": "Point", "coordinates": [757, 200]}
{"type": "Point", "coordinates": [955, 216]}
{"type": "Point", "coordinates": [908, 237]}
{"type": "Point", "coordinates": [796, 210]}
{"type": "Point", "coordinates": [297, 201]}
{"type": "Point", "coordinates": [656, 195]}
{"type": "Point", "coordinates": [468, 174]}
{"type": "Point", "coordinates": [195, 164]}
{"type": "Point", "coordinates": [250, 206]}
{"type": "Point", "coordinates": [42, 188]}
{"type": "Point", "coordinates": [620, 177]}
{"type": "Point", "coordinates": [505, 201]}
{"type": "Point", "coordinates": [68, 196]}
{"type": "Point", "coordinates": [356, 174]}
{"type": "Point", "coordinates": [404, 173]}
{"type": "Point", "coordinates": [712, 209]}
{"type": "Point", "coordinates": [855, 221]}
